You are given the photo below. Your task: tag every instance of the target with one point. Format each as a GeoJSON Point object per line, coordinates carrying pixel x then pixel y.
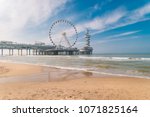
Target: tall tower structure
{"type": "Point", "coordinates": [87, 49]}
{"type": "Point", "coordinates": [87, 38]}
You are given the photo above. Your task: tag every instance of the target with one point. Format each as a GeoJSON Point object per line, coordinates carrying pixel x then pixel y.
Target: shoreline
{"type": "Point", "coordinates": [70, 84]}
{"type": "Point", "coordinates": [76, 69]}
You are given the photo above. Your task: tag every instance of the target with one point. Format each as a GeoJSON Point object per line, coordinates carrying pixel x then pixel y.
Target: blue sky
{"type": "Point", "coordinates": [116, 26]}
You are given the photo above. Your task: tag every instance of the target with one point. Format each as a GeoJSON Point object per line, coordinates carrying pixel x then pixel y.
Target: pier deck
{"type": "Point", "coordinates": [35, 49]}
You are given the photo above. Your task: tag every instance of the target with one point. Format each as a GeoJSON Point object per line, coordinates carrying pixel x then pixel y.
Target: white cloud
{"type": "Point", "coordinates": [16, 15]}
{"type": "Point", "coordinates": [103, 22]}
{"type": "Point", "coordinates": [115, 16]}
{"type": "Point", "coordinates": [116, 39]}
{"type": "Point", "coordinates": [96, 7]}
{"type": "Point", "coordinates": [135, 16]}
{"type": "Point", "coordinates": [119, 37]}
{"type": "Point", "coordinates": [138, 13]}
{"type": "Point", "coordinates": [125, 34]}
{"type": "Point", "coordinates": [119, 25]}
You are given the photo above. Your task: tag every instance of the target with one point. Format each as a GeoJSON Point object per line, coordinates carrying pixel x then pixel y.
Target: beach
{"type": "Point", "coordinates": [68, 84]}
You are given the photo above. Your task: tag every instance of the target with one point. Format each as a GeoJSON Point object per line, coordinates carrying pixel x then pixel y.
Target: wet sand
{"type": "Point", "coordinates": [12, 69]}
{"type": "Point", "coordinates": [66, 84]}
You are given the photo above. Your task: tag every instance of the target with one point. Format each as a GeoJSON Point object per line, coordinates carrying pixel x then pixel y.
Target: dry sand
{"type": "Point", "coordinates": [85, 87]}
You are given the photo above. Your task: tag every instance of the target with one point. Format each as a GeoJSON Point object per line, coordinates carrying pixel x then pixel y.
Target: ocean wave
{"type": "Point", "coordinates": [115, 58]}
{"type": "Point", "coordinates": [96, 72]}
{"type": "Point", "coordinates": [66, 68]}
{"type": "Point", "coordinates": [146, 59]}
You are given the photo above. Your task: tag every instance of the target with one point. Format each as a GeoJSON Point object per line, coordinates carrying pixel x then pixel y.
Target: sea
{"type": "Point", "coordinates": [132, 65]}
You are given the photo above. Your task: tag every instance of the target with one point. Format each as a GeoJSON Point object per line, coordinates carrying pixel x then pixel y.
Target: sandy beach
{"type": "Point", "coordinates": [69, 85]}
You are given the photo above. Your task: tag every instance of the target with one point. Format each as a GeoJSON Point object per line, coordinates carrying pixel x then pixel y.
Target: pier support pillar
{"type": "Point", "coordinates": [12, 52]}
{"type": "Point", "coordinates": [36, 52]}
{"type": "Point", "coordinates": [18, 52]}
{"type": "Point", "coordinates": [21, 52]}
{"type": "Point", "coordinates": [26, 51]}
{"type": "Point", "coordinates": [29, 52]}
{"type": "Point", "coordinates": [2, 51]}
{"type": "Point", "coordinates": [9, 52]}
{"type": "Point", "coordinates": [32, 52]}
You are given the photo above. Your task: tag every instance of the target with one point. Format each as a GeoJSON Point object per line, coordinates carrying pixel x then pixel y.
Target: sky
{"type": "Point", "coordinates": [116, 26]}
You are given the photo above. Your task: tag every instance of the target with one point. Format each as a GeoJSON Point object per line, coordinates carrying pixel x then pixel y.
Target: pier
{"type": "Point", "coordinates": [34, 49]}
{"type": "Point", "coordinates": [31, 49]}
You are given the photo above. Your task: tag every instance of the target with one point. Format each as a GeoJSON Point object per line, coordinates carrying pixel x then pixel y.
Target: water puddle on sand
{"type": "Point", "coordinates": [47, 75]}
{"type": "Point", "coordinates": [28, 78]}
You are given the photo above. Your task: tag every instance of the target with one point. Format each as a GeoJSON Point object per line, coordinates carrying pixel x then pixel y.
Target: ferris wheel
{"type": "Point", "coordinates": [63, 33]}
